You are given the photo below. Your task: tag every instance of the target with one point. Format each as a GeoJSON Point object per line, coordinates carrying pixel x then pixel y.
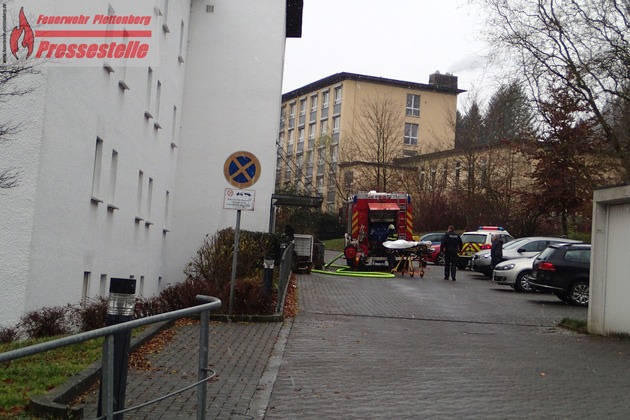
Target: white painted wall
{"type": "Point", "coordinates": [608, 311]}
{"type": "Point", "coordinates": [234, 68]}
{"type": "Point", "coordinates": [227, 93]}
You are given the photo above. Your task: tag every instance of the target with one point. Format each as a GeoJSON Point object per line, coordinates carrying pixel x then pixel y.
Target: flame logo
{"type": "Point", "coordinates": [28, 41]}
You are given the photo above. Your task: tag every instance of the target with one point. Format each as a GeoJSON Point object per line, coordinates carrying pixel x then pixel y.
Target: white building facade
{"type": "Point", "coordinates": [121, 167]}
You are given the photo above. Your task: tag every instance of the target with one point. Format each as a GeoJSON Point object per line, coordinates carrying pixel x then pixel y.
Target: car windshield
{"type": "Point", "coordinates": [474, 237]}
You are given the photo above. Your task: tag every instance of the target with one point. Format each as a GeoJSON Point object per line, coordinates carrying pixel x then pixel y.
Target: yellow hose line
{"type": "Point", "coordinates": [343, 270]}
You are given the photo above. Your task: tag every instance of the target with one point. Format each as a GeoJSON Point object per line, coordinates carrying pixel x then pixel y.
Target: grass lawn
{"type": "Point", "coordinates": [334, 244]}
{"type": "Point", "coordinates": [35, 375]}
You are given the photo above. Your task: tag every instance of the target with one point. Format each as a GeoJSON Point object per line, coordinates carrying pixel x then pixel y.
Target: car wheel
{"type": "Point", "coordinates": [462, 265]}
{"type": "Point", "coordinates": [522, 282]}
{"type": "Point", "coordinates": [439, 260]}
{"type": "Point", "coordinates": [578, 293]}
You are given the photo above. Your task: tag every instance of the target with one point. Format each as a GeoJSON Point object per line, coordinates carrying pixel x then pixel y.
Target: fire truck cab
{"type": "Point", "coordinates": [368, 215]}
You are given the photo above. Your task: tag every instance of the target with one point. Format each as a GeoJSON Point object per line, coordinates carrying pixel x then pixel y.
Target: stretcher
{"type": "Point", "coordinates": [406, 252]}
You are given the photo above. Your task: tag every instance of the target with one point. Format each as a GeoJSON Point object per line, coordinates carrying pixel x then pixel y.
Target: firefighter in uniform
{"type": "Point", "coordinates": [391, 236]}
{"type": "Point", "coordinates": [451, 246]}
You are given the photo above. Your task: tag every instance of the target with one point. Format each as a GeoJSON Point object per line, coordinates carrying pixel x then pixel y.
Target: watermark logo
{"type": "Point", "coordinates": [25, 32]}
{"type": "Point", "coordinates": [78, 33]}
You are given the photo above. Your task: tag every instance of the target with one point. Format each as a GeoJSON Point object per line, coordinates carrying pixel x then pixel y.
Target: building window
{"type": "Point", "coordinates": [158, 99]}
{"type": "Point", "coordinates": [311, 136]}
{"type": "Point", "coordinates": [102, 285]}
{"type": "Point", "coordinates": [323, 129]}
{"type": "Point", "coordinates": [300, 144]}
{"type": "Point", "coordinates": [292, 110]}
{"type": "Point", "coordinates": [149, 198]}
{"type": "Point", "coordinates": [348, 178]}
{"type": "Point", "coordinates": [139, 196]}
{"type": "Point", "coordinates": [147, 113]}
{"type": "Point", "coordinates": [302, 106]}
{"type": "Point", "coordinates": [180, 56]}
{"type": "Point", "coordinates": [96, 172]}
{"type": "Point", "coordinates": [411, 134]}
{"type": "Point", "coordinates": [282, 111]}
{"type": "Point", "coordinates": [85, 292]}
{"type": "Point", "coordinates": [336, 125]}
{"type": "Point", "coordinates": [413, 105]}
{"type": "Point", "coordinates": [457, 172]}
{"type": "Point", "coordinates": [167, 204]}
{"type": "Point", "coordinates": [314, 103]}
{"type": "Point", "coordinates": [338, 95]}
{"type": "Point", "coordinates": [325, 99]}
{"type": "Point", "coordinates": [113, 172]}
{"type": "Point", "coordinates": [422, 178]}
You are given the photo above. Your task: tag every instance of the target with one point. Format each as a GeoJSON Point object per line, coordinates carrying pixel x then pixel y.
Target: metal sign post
{"type": "Point", "coordinates": [237, 234]}
{"type": "Point", "coordinates": [241, 170]}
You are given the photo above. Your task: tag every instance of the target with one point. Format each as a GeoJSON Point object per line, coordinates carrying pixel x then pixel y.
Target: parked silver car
{"type": "Point", "coordinates": [516, 273]}
{"type": "Point", "coordinates": [518, 248]}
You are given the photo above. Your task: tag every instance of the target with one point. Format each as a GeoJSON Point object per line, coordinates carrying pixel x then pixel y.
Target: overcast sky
{"type": "Point", "coordinates": [396, 39]}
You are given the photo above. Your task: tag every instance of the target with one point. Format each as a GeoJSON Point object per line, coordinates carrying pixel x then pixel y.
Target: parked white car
{"type": "Point", "coordinates": [519, 248]}
{"type": "Point", "coordinates": [516, 273]}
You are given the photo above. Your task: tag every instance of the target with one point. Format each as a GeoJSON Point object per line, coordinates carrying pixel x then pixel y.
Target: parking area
{"type": "Point", "coordinates": [429, 348]}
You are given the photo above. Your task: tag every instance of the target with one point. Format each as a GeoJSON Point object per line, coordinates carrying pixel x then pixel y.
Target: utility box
{"type": "Point", "coordinates": [318, 255]}
{"type": "Point", "coordinates": [304, 251]}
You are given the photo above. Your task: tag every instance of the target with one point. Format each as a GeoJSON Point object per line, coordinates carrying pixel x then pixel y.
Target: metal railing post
{"type": "Point", "coordinates": [108, 376]}
{"type": "Point", "coordinates": [202, 388]}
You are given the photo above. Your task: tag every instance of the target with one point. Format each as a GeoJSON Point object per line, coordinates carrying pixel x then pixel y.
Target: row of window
{"type": "Point", "coordinates": [144, 198]}
{"type": "Point", "coordinates": [431, 179]}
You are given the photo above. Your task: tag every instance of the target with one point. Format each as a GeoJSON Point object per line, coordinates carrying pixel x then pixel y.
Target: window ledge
{"type": "Point", "coordinates": [165, 231]}
{"type": "Point", "coordinates": [139, 219]}
{"type": "Point", "coordinates": [165, 28]}
{"type": "Point", "coordinates": [108, 67]}
{"type": "Point", "coordinates": [123, 85]}
{"type": "Point", "coordinates": [112, 207]}
{"type": "Point", "coordinates": [148, 115]}
{"type": "Point", "coordinates": [173, 145]}
{"type": "Point", "coordinates": [180, 59]}
{"type": "Point", "coordinates": [157, 125]}
{"type": "Point", "coordinates": [147, 223]}
{"type": "Point", "coordinates": [95, 200]}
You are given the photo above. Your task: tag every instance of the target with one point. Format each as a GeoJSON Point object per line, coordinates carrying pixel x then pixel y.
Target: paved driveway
{"type": "Point", "coordinates": [411, 348]}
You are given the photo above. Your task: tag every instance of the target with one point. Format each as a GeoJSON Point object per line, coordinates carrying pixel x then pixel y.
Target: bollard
{"type": "Point", "coordinates": [267, 284]}
{"type": "Point", "coordinates": [120, 308]}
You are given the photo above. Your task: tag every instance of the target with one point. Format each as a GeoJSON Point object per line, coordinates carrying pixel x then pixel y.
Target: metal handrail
{"type": "Point", "coordinates": [211, 304]}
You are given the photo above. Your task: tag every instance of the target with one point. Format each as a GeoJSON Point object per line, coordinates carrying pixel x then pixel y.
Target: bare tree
{"type": "Point", "coordinates": [581, 45]}
{"type": "Point", "coordinates": [374, 141]}
{"type": "Point", "coordinates": [11, 86]}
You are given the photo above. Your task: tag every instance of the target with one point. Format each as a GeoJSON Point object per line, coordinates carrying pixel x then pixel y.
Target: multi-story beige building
{"type": "Point", "coordinates": [342, 133]}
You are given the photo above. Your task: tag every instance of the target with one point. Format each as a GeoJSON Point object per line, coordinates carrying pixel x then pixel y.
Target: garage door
{"type": "Point", "coordinates": [617, 293]}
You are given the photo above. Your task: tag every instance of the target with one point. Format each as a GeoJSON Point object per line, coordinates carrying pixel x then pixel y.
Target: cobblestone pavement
{"type": "Point", "coordinates": [414, 348]}
{"type": "Point", "coordinates": [238, 352]}
{"type": "Point", "coordinates": [403, 348]}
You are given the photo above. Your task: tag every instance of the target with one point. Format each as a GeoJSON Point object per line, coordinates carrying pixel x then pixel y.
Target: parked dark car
{"type": "Point", "coordinates": [564, 270]}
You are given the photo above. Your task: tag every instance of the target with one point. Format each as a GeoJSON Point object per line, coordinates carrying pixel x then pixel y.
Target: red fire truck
{"type": "Point", "coordinates": [368, 216]}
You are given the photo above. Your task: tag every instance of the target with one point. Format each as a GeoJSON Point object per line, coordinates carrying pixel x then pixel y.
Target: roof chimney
{"type": "Point", "coordinates": [444, 81]}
